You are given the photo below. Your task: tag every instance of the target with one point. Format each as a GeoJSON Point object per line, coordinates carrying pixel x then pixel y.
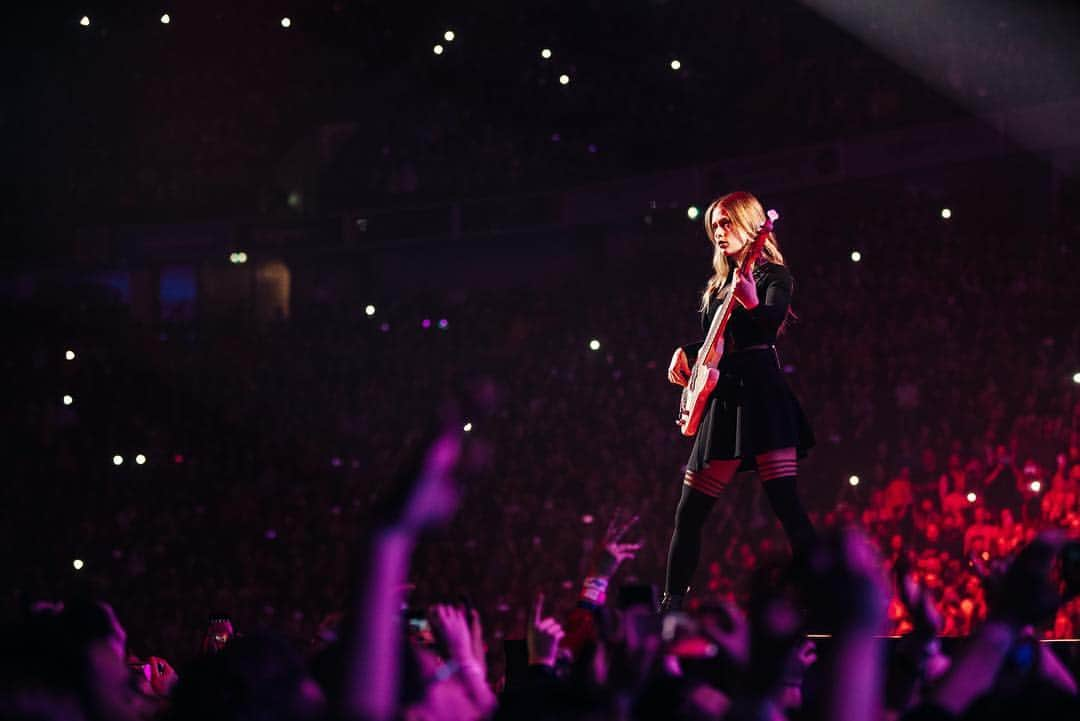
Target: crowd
{"type": "Point", "coordinates": [937, 370]}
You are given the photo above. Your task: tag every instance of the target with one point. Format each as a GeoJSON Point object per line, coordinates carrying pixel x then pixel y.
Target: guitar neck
{"type": "Point", "coordinates": [719, 322]}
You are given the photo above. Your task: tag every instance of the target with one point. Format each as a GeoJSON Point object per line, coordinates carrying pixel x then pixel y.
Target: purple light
{"type": "Point", "coordinates": [426, 323]}
{"type": "Point", "coordinates": [270, 534]}
{"type": "Point", "coordinates": [443, 323]}
{"type": "Point", "coordinates": [385, 327]}
{"type": "Point", "coordinates": [592, 148]}
{"type": "Point", "coordinates": [555, 137]}
{"type": "Point", "coordinates": [335, 462]}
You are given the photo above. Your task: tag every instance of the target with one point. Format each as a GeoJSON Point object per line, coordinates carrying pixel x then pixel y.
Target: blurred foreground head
{"type": "Point", "coordinates": [254, 677]}
{"type": "Point", "coordinates": [66, 661]}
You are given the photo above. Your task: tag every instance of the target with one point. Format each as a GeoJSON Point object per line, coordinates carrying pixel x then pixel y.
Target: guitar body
{"type": "Point", "coordinates": [703, 374]}
{"type": "Point", "coordinates": [695, 396]}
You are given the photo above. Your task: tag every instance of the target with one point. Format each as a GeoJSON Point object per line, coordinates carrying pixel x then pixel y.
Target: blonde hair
{"type": "Point", "coordinates": [748, 216]}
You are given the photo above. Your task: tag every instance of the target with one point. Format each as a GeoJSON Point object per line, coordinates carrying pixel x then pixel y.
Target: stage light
{"type": "Point", "coordinates": [1036, 486]}
{"type": "Point", "coordinates": [564, 79]}
{"type": "Point", "coordinates": [68, 400]}
{"type": "Point", "coordinates": [438, 49]}
{"type": "Point", "coordinates": [425, 323]}
{"type": "Point", "coordinates": [165, 19]}
{"type": "Point", "coordinates": [985, 555]}
{"type": "Point", "coordinates": [971, 497]}
{"type": "Point", "coordinates": [675, 64]}
{"type": "Point", "coordinates": [286, 23]}
{"type": "Point", "coordinates": [117, 460]}
{"type": "Point", "coordinates": [556, 137]}
{"type": "Point", "coordinates": [467, 427]}
{"type": "Point", "coordinates": [946, 213]}
{"type": "Point", "coordinates": [369, 310]}
{"type": "Point", "coordinates": [140, 459]}
{"type": "Point", "coordinates": [546, 54]}
{"type": "Point", "coordinates": [238, 258]}
{"type": "Point", "coordinates": [85, 22]}
{"type": "Point", "coordinates": [594, 344]}
{"type": "Point", "coordinates": [448, 36]}
{"type": "Point", "coordinates": [587, 519]}
{"type": "Point", "coordinates": [692, 212]}
{"type": "Point", "coordinates": [853, 481]}
{"type": "Point", "coordinates": [1076, 377]}
{"type": "Point", "coordinates": [856, 256]}
{"type": "Point", "coordinates": [335, 462]}
{"type": "Point", "coordinates": [443, 323]}
{"type": "Point", "coordinates": [178, 458]}
{"type": "Point", "coordinates": [77, 564]}
{"type": "Point", "coordinates": [69, 355]}
{"type": "Point", "coordinates": [385, 327]}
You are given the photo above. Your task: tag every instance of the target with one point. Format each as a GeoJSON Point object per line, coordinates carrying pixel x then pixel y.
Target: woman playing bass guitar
{"type": "Point", "coordinates": [752, 420]}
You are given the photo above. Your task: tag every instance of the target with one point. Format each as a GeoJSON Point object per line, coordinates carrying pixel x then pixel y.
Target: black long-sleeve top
{"type": "Point", "coordinates": [758, 326]}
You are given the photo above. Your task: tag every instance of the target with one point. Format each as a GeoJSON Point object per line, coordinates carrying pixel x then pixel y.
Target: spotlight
{"type": "Point", "coordinates": [286, 23]}
{"type": "Point", "coordinates": [1036, 486]}
{"type": "Point", "coordinates": [448, 36]}
{"type": "Point", "coordinates": [140, 459]}
{"type": "Point", "coordinates": [692, 212]}
{"type": "Point", "coordinates": [853, 481]}
{"type": "Point", "coordinates": [1076, 377]}
{"type": "Point", "coordinates": [971, 497]}
{"type": "Point", "coordinates": [467, 427]}
{"type": "Point", "coordinates": [675, 64]}
{"type": "Point", "coordinates": [117, 460]}
{"type": "Point", "coordinates": [443, 323]}
{"type": "Point", "coordinates": [438, 50]}
{"type": "Point", "coordinates": [238, 258]}
{"type": "Point", "coordinates": [425, 323]}
{"type": "Point", "coordinates": [546, 54]}
{"type": "Point", "coordinates": [564, 79]}
{"type": "Point", "coordinates": [946, 213]}
{"type": "Point", "coordinates": [69, 355]}
{"type": "Point", "coordinates": [68, 400]}
{"type": "Point", "coordinates": [856, 256]}
{"type": "Point", "coordinates": [165, 19]}
{"type": "Point", "coordinates": [369, 310]}
{"type": "Point", "coordinates": [77, 564]}
{"type": "Point", "coordinates": [594, 344]}
{"type": "Point", "coordinates": [587, 519]}
{"type": "Point", "coordinates": [85, 22]}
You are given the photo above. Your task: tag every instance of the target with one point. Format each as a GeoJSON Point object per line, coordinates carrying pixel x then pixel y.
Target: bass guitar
{"type": "Point", "coordinates": [704, 373]}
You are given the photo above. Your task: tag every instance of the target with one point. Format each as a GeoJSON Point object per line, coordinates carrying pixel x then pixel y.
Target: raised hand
{"type": "Point", "coordinates": [920, 607]}
{"type": "Point", "coordinates": [734, 642]}
{"type": "Point", "coordinates": [613, 550]}
{"type": "Point", "coordinates": [543, 636]}
{"type": "Point", "coordinates": [452, 628]}
{"type": "Point", "coordinates": [1025, 594]}
{"type": "Point", "coordinates": [426, 494]}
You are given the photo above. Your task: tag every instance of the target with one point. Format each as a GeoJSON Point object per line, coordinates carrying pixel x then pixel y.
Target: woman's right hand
{"type": "Point", "coordinates": [679, 370]}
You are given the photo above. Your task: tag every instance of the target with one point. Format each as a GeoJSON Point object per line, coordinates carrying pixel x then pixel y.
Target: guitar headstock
{"type": "Point", "coordinates": [771, 216]}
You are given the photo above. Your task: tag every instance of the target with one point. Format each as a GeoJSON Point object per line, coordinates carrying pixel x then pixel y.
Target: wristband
{"type": "Point", "coordinates": [594, 589]}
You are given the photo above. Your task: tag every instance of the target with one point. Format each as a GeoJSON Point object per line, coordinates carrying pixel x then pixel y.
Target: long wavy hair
{"type": "Point", "coordinates": [748, 216]}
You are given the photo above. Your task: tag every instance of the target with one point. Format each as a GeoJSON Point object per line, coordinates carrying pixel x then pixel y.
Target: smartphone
{"type": "Point", "coordinates": [637, 594]}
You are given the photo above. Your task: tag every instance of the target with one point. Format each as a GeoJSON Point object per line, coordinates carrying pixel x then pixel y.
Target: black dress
{"type": "Point", "coordinates": [752, 409]}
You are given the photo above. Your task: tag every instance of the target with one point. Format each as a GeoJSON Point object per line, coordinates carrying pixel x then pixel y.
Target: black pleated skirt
{"type": "Point", "coordinates": [751, 410]}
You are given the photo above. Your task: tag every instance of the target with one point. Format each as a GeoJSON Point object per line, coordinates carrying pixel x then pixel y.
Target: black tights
{"type": "Point", "coordinates": [692, 511]}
